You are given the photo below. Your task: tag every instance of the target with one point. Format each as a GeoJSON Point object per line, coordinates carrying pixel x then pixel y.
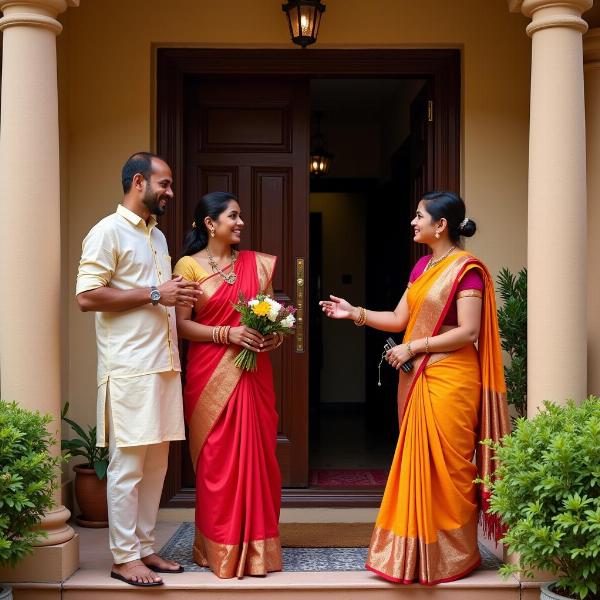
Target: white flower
{"type": "Point", "coordinates": [288, 322]}
{"type": "Point", "coordinates": [252, 302]}
{"type": "Point", "coordinates": [275, 308]}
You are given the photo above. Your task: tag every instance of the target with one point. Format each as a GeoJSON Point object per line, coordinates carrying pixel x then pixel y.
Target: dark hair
{"type": "Point", "coordinates": [210, 205]}
{"type": "Point", "coordinates": [140, 162]}
{"type": "Point", "coordinates": [450, 206]}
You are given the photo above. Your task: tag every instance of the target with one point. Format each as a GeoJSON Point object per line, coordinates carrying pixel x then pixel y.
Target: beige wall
{"type": "Point", "coordinates": [106, 96]}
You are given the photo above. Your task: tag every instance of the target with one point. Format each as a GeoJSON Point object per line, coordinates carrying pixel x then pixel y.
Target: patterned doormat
{"type": "Point", "coordinates": [348, 478]}
{"type": "Point", "coordinates": [179, 548]}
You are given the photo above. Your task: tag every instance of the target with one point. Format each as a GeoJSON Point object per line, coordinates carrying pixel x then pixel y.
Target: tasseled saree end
{"type": "Point", "coordinates": [494, 421]}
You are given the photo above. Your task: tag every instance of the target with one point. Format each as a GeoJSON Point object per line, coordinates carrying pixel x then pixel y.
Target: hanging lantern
{"type": "Point", "coordinates": [304, 18]}
{"type": "Point", "coordinates": [320, 158]}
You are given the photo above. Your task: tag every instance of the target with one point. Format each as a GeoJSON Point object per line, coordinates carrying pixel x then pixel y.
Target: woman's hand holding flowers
{"type": "Point", "coordinates": [248, 338]}
{"type": "Point", "coordinates": [267, 319]}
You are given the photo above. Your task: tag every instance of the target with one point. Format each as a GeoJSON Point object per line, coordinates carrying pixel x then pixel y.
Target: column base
{"type": "Point", "coordinates": [37, 591]}
{"type": "Point", "coordinates": [46, 564]}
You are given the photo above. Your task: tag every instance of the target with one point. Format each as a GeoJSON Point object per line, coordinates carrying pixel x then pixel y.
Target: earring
{"type": "Point", "coordinates": [437, 235]}
{"type": "Point", "coordinates": [212, 233]}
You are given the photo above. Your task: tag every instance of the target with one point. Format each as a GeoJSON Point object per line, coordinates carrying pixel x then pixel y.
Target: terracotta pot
{"type": "Point", "coordinates": [90, 493]}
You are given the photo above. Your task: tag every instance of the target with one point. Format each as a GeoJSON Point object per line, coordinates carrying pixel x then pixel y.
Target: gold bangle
{"type": "Point", "coordinates": [410, 350]}
{"type": "Point", "coordinates": [214, 334]}
{"type": "Point", "coordinates": [362, 317]}
{"type": "Point", "coordinates": [426, 345]}
{"type": "Point", "coordinates": [469, 294]}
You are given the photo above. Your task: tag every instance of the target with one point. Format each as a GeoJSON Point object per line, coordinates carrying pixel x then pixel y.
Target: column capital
{"type": "Point", "coordinates": [591, 49]}
{"type": "Point", "coordinates": [552, 13]}
{"type": "Point", "coordinates": [34, 13]}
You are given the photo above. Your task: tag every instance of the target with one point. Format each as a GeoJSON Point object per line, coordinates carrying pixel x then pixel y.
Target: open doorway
{"type": "Point", "coordinates": [238, 120]}
{"type": "Point", "coordinates": [361, 249]}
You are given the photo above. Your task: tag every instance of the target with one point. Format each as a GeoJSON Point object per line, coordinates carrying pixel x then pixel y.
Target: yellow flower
{"type": "Point", "coordinates": [261, 309]}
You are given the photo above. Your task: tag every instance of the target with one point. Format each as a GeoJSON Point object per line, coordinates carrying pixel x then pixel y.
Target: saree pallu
{"type": "Point", "coordinates": [426, 529]}
{"type": "Point", "coordinates": [232, 434]}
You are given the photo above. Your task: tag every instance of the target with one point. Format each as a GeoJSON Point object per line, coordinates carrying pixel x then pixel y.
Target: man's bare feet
{"type": "Point", "coordinates": [161, 565]}
{"type": "Point", "coordinates": [136, 573]}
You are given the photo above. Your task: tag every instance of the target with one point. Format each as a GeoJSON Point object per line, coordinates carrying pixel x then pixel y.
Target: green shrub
{"type": "Point", "coordinates": [512, 322]}
{"type": "Point", "coordinates": [548, 495]}
{"type": "Point", "coordinates": [28, 477]}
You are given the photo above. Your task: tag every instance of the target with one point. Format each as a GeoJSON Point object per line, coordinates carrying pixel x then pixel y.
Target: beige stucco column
{"type": "Point", "coordinates": [556, 256]}
{"type": "Point", "coordinates": [30, 342]}
{"type": "Point", "coordinates": [591, 65]}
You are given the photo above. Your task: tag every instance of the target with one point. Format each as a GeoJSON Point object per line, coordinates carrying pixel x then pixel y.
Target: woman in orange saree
{"type": "Point", "coordinates": [451, 395]}
{"type": "Point", "coordinates": [230, 412]}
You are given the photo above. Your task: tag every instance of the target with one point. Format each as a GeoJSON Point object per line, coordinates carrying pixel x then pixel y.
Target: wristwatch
{"type": "Point", "coordinates": [154, 295]}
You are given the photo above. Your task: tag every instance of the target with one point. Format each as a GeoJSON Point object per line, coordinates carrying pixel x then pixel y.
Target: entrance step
{"type": "Point", "coordinates": [351, 585]}
{"type": "Point", "coordinates": [92, 582]}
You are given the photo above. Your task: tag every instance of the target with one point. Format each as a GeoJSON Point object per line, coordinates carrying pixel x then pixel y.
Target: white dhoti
{"type": "Point", "coordinates": [136, 473]}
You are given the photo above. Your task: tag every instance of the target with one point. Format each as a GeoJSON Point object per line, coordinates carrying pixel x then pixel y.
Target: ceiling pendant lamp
{"type": "Point", "coordinates": [320, 157]}
{"type": "Point", "coordinates": [304, 18]}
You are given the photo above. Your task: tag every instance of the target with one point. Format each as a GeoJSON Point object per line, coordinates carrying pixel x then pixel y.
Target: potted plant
{"type": "Point", "coordinates": [90, 476]}
{"type": "Point", "coordinates": [28, 478]}
{"type": "Point", "coordinates": [548, 497]}
{"type": "Point", "coordinates": [512, 322]}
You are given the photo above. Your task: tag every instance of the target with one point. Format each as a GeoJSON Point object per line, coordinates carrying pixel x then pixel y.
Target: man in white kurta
{"type": "Point", "coordinates": [125, 277]}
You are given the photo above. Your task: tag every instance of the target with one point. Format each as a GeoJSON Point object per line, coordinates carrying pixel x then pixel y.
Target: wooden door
{"type": "Point", "coordinates": [250, 138]}
{"type": "Point", "coordinates": [422, 150]}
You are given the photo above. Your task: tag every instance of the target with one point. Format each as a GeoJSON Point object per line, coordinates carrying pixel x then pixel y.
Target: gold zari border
{"type": "Point", "coordinates": [494, 424]}
{"type": "Point", "coordinates": [212, 401]}
{"type": "Point", "coordinates": [256, 557]}
{"type": "Point", "coordinates": [265, 266]}
{"type": "Point", "coordinates": [402, 559]}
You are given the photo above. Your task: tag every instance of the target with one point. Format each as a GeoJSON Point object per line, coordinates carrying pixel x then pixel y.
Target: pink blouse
{"type": "Point", "coordinates": [470, 281]}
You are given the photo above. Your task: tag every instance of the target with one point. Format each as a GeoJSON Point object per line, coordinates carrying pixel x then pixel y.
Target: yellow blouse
{"type": "Point", "coordinates": [189, 268]}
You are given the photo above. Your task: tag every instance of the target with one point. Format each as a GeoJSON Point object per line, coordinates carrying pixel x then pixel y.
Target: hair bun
{"type": "Point", "coordinates": [468, 228]}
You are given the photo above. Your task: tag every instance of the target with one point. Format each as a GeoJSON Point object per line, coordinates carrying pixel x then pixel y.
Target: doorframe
{"type": "Point", "coordinates": [441, 66]}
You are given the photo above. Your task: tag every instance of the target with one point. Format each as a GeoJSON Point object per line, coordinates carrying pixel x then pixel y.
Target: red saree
{"type": "Point", "coordinates": [426, 529]}
{"type": "Point", "coordinates": [232, 434]}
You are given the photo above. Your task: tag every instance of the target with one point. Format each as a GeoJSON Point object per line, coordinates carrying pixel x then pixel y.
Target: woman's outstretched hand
{"type": "Point", "coordinates": [338, 308]}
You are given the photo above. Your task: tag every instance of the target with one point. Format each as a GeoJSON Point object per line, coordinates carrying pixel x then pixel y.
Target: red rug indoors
{"type": "Point", "coordinates": [348, 478]}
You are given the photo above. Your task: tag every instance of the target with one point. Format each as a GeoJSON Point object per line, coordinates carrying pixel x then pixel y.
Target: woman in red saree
{"type": "Point", "coordinates": [230, 412]}
{"type": "Point", "coordinates": [452, 397]}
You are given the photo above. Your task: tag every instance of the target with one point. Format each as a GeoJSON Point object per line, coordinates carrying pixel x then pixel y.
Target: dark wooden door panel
{"type": "Point", "coordinates": [251, 139]}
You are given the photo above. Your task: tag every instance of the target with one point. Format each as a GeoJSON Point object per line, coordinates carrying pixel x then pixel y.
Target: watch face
{"type": "Point", "coordinates": [155, 295]}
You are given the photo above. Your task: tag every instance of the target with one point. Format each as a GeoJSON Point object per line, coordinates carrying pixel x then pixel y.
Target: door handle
{"type": "Point", "coordinates": [300, 305]}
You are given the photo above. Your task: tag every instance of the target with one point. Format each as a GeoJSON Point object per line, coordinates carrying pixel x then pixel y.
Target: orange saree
{"type": "Point", "coordinates": [426, 529]}
{"type": "Point", "coordinates": [232, 435]}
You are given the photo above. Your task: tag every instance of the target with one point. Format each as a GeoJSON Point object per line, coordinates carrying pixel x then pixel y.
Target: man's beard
{"type": "Point", "coordinates": [151, 201]}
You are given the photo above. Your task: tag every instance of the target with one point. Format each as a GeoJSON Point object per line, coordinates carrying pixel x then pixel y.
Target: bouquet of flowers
{"type": "Point", "coordinates": [265, 315]}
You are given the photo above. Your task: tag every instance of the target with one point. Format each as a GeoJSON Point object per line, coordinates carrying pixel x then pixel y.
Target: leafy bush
{"type": "Point", "coordinates": [548, 494]}
{"type": "Point", "coordinates": [28, 477]}
{"type": "Point", "coordinates": [85, 446]}
{"type": "Point", "coordinates": [512, 321]}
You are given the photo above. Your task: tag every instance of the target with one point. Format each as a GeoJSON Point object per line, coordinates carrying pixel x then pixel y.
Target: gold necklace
{"type": "Point", "coordinates": [437, 261]}
{"type": "Point", "coordinates": [227, 277]}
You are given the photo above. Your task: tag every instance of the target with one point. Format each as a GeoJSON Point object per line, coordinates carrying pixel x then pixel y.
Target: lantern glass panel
{"type": "Point", "coordinates": [307, 21]}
